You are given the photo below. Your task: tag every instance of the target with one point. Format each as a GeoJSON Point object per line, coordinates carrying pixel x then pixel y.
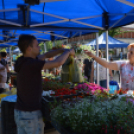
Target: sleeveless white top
{"type": "Point", "coordinates": [126, 74]}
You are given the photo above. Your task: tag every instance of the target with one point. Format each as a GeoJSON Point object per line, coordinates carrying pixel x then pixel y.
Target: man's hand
{"type": "Point", "coordinates": [72, 52]}
{"type": "Point", "coordinates": [89, 53]}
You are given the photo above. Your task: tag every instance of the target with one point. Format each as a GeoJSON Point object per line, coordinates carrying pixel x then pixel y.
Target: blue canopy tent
{"type": "Point", "coordinates": [58, 19]}
{"type": "Point", "coordinates": [112, 42]}
{"type": "Point", "coordinates": [68, 15]}
{"type": "Point", "coordinates": [60, 15]}
{"type": "Point", "coordinates": [17, 50]}
{"type": "Point", "coordinates": [10, 38]}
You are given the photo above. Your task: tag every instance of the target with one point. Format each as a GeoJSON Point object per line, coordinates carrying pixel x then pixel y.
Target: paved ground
{"type": "Point", "coordinates": [52, 132]}
{"type": "Point", "coordinates": [116, 77]}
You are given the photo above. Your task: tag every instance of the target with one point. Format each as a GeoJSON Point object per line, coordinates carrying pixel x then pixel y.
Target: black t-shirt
{"type": "Point", "coordinates": [88, 65]}
{"type": "Point", "coordinates": [29, 83]}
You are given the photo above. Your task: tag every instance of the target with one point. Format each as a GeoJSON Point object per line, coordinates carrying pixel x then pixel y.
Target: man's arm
{"type": "Point", "coordinates": [51, 54]}
{"type": "Point", "coordinates": [59, 60]}
{"type": "Point", "coordinates": [110, 65]}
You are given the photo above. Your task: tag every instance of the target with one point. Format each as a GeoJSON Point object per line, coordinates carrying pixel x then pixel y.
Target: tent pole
{"type": "Point", "coordinates": [107, 58]}
{"type": "Point", "coordinates": [97, 54]}
{"type": "Point", "coordinates": [45, 48]}
{"type": "Point", "coordinates": [80, 38]}
{"type": "Point", "coordinates": [10, 57]}
{"type": "Point", "coordinates": [19, 52]}
{"type": "Point", "coordinates": [53, 42]}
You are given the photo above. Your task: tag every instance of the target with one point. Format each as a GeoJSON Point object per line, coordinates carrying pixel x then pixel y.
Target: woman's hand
{"type": "Point", "coordinates": [72, 52]}
{"type": "Point", "coordinates": [90, 54]}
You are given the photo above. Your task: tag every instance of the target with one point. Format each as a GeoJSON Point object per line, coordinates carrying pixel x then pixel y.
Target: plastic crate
{"type": "Point", "coordinates": [46, 100]}
{"type": "Point", "coordinates": [14, 80]}
{"type": "Point", "coordinates": [8, 125]}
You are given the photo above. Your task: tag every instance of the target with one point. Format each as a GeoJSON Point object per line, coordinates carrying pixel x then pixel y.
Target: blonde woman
{"type": "Point", "coordinates": [126, 68]}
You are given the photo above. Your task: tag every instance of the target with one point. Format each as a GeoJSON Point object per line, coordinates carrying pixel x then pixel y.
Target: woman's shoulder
{"type": "Point", "coordinates": [122, 61]}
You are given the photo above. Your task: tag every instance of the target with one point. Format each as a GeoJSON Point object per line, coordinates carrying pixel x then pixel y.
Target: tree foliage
{"type": "Point", "coordinates": [113, 32]}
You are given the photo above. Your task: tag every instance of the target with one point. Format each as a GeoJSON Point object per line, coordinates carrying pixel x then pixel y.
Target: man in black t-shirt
{"type": "Point", "coordinates": [28, 116]}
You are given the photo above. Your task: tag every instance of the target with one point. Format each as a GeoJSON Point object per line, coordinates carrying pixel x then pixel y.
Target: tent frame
{"type": "Point", "coordinates": [13, 25]}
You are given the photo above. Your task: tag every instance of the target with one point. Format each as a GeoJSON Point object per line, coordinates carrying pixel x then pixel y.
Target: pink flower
{"type": "Point", "coordinates": [92, 91]}
{"type": "Point", "coordinates": [79, 86]}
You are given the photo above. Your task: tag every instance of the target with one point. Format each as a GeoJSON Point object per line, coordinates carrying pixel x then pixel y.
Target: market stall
{"type": "Point", "coordinates": [85, 17]}
{"type": "Point", "coordinates": [85, 105]}
{"type": "Point", "coordinates": [89, 108]}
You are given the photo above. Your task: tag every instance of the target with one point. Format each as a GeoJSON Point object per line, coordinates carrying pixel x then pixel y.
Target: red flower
{"type": "Point", "coordinates": [118, 132]}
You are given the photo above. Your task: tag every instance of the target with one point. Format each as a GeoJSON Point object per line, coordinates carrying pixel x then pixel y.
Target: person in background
{"type": "Point", "coordinates": [4, 56]}
{"type": "Point", "coordinates": [12, 67]}
{"type": "Point", "coordinates": [88, 69]}
{"type": "Point", "coordinates": [3, 74]}
{"type": "Point", "coordinates": [102, 73]}
{"type": "Point", "coordinates": [27, 112]}
{"type": "Point", "coordinates": [8, 59]}
{"type": "Point", "coordinates": [14, 57]}
{"type": "Point", "coordinates": [58, 71]}
{"type": "Point", "coordinates": [80, 64]}
{"type": "Point", "coordinates": [111, 60]}
{"type": "Point", "coordinates": [121, 55]}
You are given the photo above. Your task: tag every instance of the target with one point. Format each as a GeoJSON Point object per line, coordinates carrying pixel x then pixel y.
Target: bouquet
{"type": "Point", "coordinates": [79, 50]}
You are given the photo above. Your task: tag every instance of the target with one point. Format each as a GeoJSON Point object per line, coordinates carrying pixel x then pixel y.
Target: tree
{"type": "Point", "coordinates": [49, 45]}
{"type": "Point", "coordinates": [42, 47]}
{"type": "Point", "coordinates": [113, 32]}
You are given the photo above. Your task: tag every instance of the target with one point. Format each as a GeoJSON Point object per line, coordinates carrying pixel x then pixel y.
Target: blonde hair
{"type": "Point", "coordinates": [130, 46]}
{"type": "Point", "coordinates": [100, 53]}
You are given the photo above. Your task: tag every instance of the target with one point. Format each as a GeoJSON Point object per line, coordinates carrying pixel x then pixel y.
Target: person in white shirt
{"type": "Point", "coordinates": [3, 74]}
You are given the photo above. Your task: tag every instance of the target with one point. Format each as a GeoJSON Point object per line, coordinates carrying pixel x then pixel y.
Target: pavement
{"type": "Point", "coordinates": [52, 132]}
{"type": "Point", "coordinates": [116, 77]}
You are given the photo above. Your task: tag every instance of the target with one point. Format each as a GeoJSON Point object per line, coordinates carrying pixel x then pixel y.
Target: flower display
{"type": "Point", "coordinates": [120, 91]}
{"type": "Point", "coordinates": [64, 91]}
{"type": "Point", "coordinates": [53, 84]}
{"type": "Point", "coordinates": [91, 88]}
{"type": "Point", "coordinates": [112, 116]}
